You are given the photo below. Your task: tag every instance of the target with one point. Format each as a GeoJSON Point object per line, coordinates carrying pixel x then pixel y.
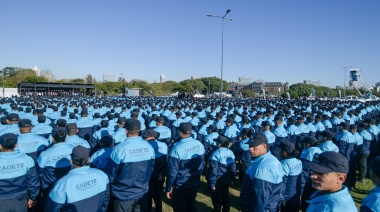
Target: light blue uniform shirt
{"type": "Point", "coordinates": [340, 201]}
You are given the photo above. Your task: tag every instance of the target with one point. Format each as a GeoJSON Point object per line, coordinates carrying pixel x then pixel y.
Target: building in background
{"type": "Point", "coordinates": [194, 77]}
{"type": "Point", "coordinates": [244, 80]}
{"type": "Point", "coordinates": [108, 77]}
{"type": "Point", "coordinates": [312, 82]}
{"type": "Point", "coordinates": [162, 78]}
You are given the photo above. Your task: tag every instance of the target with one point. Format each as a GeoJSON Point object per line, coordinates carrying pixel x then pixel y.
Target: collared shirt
{"type": "Point", "coordinates": [372, 201]}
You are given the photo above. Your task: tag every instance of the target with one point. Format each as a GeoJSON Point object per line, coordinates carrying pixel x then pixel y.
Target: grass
{"type": "Point", "coordinates": [203, 200]}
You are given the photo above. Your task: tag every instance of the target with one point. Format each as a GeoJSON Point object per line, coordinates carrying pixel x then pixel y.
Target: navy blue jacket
{"type": "Point", "coordinates": [129, 168]}
{"type": "Point", "coordinates": [18, 174]}
{"type": "Point", "coordinates": [185, 164]}
{"type": "Point", "coordinates": [54, 163]}
{"type": "Point", "coordinates": [262, 188]}
{"type": "Point", "coordinates": [82, 189]}
{"type": "Point", "coordinates": [292, 168]}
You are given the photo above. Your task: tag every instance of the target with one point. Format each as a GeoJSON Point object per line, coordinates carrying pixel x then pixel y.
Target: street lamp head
{"type": "Point", "coordinates": [230, 19]}
{"type": "Point", "coordinates": [210, 15]}
{"type": "Point", "coordinates": [228, 11]}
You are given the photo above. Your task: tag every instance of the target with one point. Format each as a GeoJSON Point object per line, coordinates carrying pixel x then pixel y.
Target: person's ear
{"type": "Point", "coordinates": [341, 178]}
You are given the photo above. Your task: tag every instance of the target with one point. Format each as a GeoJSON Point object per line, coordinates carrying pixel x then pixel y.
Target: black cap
{"type": "Point", "coordinates": [61, 122]}
{"type": "Point", "coordinates": [328, 134]}
{"type": "Point", "coordinates": [103, 123]}
{"type": "Point", "coordinates": [221, 140]}
{"type": "Point", "coordinates": [194, 113]}
{"type": "Point", "coordinates": [151, 133]}
{"type": "Point", "coordinates": [310, 140]}
{"type": "Point", "coordinates": [24, 123]}
{"type": "Point", "coordinates": [160, 119]}
{"type": "Point", "coordinates": [213, 128]}
{"type": "Point", "coordinates": [13, 117]}
{"type": "Point", "coordinates": [329, 161]}
{"type": "Point", "coordinates": [8, 140]}
{"type": "Point", "coordinates": [121, 120]}
{"type": "Point", "coordinates": [58, 130]}
{"type": "Point", "coordinates": [178, 113]}
{"type": "Point", "coordinates": [63, 113]}
{"type": "Point", "coordinates": [353, 126]}
{"type": "Point", "coordinates": [107, 140]}
{"type": "Point", "coordinates": [39, 111]}
{"type": "Point", "coordinates": [257, 139]}
{"type": "Point", "coordinates": [80, 153]}
{"type": "Point", "coordinates": [265, 123]}
{"type": "Point", "coordinates": [72, 115]}
{"type": "Point", "coordinates": [132, 124]}
{"type": "Point", "coordinates": [230, 120]}
{"type": "Point", "coordinates": [185, 127]}
{"type": "Point", "coordinates": [72, 126]}
{"type": "Point", "coordinates": [287, 146]}
{"type": "Point", "coordinates": [84, 112]}
{"type": "Point", "coordinates": [41, 119]}
{"type": "Point", "coordinates": [344, 125]}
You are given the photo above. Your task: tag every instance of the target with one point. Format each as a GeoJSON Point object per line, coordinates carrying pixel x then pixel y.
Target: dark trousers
{"type": "Point", "coordinates": [220, 196]}
{"type": "Point", "coordinates": [307, 192]}
{"type": "Point", "coordinates": [243, 167]}
{"type": "Point", "coordinates": [138, 205]}
{"type": "Point", "coordinates": [15, 205]}
{"type": "Point", "coordinates": [155, 191]}
{"type": "Point", "coordinates": [291, 205]}
{"type": "Point", "coordinates": [183, 200]}
{"type": "Point", "coordinates": [363, 166]}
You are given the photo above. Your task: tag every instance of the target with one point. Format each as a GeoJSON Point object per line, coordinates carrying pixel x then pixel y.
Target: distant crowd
{"type": "Point", "coordinates": [78, 153]}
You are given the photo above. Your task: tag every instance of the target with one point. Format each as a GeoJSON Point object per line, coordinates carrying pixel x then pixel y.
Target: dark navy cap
{"type": "Point", "coordinates": [79, 153]}
{"type": "Point", "coordinates": [194, 113]}
{"type": "Point", "coordinates": [213, 127]}
{"type": "Point", "coordinates": [178, 113]}
{"type": "Point", "coordinates": [265, 123]}
{"type": "Point", "coordinates": [58, 130]}
{"type": "Point", "coordinates": [84, 112]}
{"type": "Point", "coordinates": [121, 120]}
{"type": "Point", "coordinates": [221, 140]}
{"type": "Point", "coordinates": [287, 146]}
{"type": "Point", "coordinates": [41, 119]}
{"type": "Point", "coordinates": [63, 113]}
{"type": "Point", "coordinates": [103, 122]}
{"type": "Point", "coordinates": [328, 134]}
{"type": "Point", "coordinates": [72, 126]}
{"type": "Point", "coordinates": [329, 161]}
{"type": "Point", "coordinates": [151, 133]}
{"type": "Point", "coordinates": [353, 126]}
{"type": "Point", "coordinates": [24, 123]}
{"type": "Point", "coordinates": [132, 124]}
{"type": "Point", "coordinates": [185, 127]}
{"type": "Point", "coordinates": [107, 140]}
{"type": "Point", "coordinates": [39, 111]}
{"type": "Point", "coordinates": [8, 140]}
{"type": "Point", "coordinates": [257, 139]}
{"type": "Point", "coordinates": [230, 120]}
{"type": "Point", "coordinates": [310, 140]}
{"type": "Point", "coordinates": [13, 117]}
{"type": "Point", "coordinates": [61, 122]}
{"type": "Point", "coordinates": [160, 119]}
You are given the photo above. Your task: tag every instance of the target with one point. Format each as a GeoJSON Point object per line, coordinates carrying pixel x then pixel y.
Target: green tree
{"type": "Point", "coordinates": [89, 79]}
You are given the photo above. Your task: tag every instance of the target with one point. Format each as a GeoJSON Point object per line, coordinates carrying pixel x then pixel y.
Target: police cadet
{"type": "Point", "coordinates": [53, 163]}
{"type": "Point", "coordinates": [329, 171]}
{"type": "Point", "coordinates": [292, 168]}
{"type": "Point", "coordinates": [371, 203]}
{"type": "Point", "coordinates": [100, 158]}
{"type": "Point", "coordinates": [12, 127]}
{"type": "Point", "coordinates": [326, 141]}
{"type": "Point", "coordinates": [222, 174]}
{"type": "Point", "coordinates": [42, 128]}
{"type": "Point", "coordinates": [102, 131]}
{"type": "Point", "coordinates": [243, 154]}
{"type": "Point", "coordinates": [156, 182]}
{"type": "Point", "coordinates": [82, 189]}
{"type": "Point", "coordinates": [364, 151]}
{"type": "Point", "coordinates": [29, 143]}
{"type": "Point", "coordinates": [185, 165]}
{"type": "Point", "coordinates": [129, 169]}
{"type": "Point", "coordinates": [19, 184]}
{"type": "Point", "coordinates": [120, 136]}
{"type": "Point", "coordinates": [262, 186]}
{"type": "Point", "coordinates": [73, 139]}
{"type": "Point", "coordinates": [164, 131]}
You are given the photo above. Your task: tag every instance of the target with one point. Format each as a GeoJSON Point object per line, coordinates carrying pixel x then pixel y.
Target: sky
{"type": "Point", "coordinates": [272, 40]}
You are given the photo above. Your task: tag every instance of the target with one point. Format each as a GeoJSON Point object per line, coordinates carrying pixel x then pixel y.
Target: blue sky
{"type": "Point", "coordinates": [272, 40]}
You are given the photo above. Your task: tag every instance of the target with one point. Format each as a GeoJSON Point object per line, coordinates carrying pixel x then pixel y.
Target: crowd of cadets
{"type": "Point", "coordinates": [283, 151]}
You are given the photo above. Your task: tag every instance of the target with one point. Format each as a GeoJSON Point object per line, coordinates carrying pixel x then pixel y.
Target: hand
{"type": "Point", "coordinates": [31, 203]}
{"type": "Point", "coordinates": [169, 194]}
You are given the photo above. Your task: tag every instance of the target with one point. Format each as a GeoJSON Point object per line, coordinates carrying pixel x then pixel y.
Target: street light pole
{"type": "Point", "coordinates": [221, 69]}
{"type": "Point", "coordinates": [345, 73]}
